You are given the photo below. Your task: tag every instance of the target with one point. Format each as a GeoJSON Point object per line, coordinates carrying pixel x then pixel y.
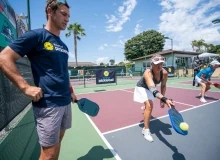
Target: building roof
{"type": "Point", "coordinates": [168, 52]}
{"type": "Point", "coordinates": [73, 64]}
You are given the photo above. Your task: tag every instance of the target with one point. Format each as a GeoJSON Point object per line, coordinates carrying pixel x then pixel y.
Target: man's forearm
{"type": "Point", "coordinates": [10, 70]}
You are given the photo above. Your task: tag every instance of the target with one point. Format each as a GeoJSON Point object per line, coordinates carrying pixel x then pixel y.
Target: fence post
{"type": "Point", "coordinates": [116, 79]}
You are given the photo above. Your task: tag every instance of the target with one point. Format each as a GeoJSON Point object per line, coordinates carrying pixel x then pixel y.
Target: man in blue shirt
{"type": "Point", "coordinates": [52, 93]}
{"type": "Point", "coordinates": [204, 78]}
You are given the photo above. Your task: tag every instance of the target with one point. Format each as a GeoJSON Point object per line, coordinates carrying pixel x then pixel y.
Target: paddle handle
{"type": "Point", "coordinates": [172, 106]}
{"type": "Point", "coordinates": [216, 85]}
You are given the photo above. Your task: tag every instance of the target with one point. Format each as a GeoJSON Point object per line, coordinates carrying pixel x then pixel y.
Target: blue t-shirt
{"type": "Point", "coordinates": [49, 63]}
{"type": "Point", "coordinates": [207, 72]}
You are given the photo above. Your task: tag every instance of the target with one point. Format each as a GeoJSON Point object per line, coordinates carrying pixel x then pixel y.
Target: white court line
{"type": "Point", "coordinates": [133, 88]}
{"type": "Point", "coordinates": [102, 91]}
{"type": "Point", "coordinates": [104, 139]}
{"type": "Point", "coordinates": [173, 101]}
{"type": "Point", "coordinates": [119, 129]}
{"type": "Point", "coordinates": [190, 89]}
{"type": "Point", "coordinates": [171, 87]}
{"type": "Point", "coordinates": [184, 104]}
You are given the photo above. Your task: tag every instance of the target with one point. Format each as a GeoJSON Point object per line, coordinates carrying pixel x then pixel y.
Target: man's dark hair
{"type": "Point", "coordinates": [54, 5]}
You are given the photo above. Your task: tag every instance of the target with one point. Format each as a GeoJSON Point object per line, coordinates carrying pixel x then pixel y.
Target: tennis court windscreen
{"type": "Point", "coordinates": [12, 100]}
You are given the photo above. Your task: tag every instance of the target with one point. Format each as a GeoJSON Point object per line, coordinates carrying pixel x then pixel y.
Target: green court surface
{"type": "Point", "coordinates": [171, 82]}
{"type": "Point", "coordinates": [82, 142]}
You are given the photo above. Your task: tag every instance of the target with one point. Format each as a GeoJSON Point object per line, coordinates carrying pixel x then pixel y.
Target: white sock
{"type": "Point", "coordinates": [147, 129]}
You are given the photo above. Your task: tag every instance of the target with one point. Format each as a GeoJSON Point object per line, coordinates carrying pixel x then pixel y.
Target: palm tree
{"type": "Point", "coordinates": [200, 44]}
{"type": "Point", "coordinates": [194, 44]}
{"type": "Point", "coordinates": [77, 31]}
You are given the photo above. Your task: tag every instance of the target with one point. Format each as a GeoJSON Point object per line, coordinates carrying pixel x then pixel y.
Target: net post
{"type": "Point", "coordinates": [84, 81]}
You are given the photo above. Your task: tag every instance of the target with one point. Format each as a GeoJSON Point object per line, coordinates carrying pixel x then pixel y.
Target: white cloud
{"type": "Point", "coordinates": [103, 46]}
{"type": "Point", "coordinates": [120, 43]}
{"type": "Point", "coordinates": [184, 21]}
{"type": "Point", "coordinates": [101, 59]}
{"type": "Point", "coordinates": [111, 19]}
{"type": "Point", "coordinates": [115, 23]}
{"type": "Point", "coordinates": [140, 20]}
{"type": "Point", "coordinates": [137, 29]}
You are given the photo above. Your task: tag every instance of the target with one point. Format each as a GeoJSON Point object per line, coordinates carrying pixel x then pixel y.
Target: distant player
{"type": "Point", "coordinates": [130, 73]}
{"type": "Point", "coordinates": [146, 91]}
{"type": "Point", "coordinates": [204, 78]}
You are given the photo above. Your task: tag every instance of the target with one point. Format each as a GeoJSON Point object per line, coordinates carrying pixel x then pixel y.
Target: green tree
{"type": "Point", "coordinates": [194, 44]}
{"type": "Point", "coordinates": [145, 43]}
{"type": "Point", "coordinates": [211, 48]}
{"type": "Point", "coordinates": [198, 45]}
{"type": "Point", "coordinates": [77, 31]}
{"type": "Point", "coordinates": [112, 62]}
{"type": "Point", "coordinates": [217, 49]}
{"type": "Point", "coordinates": [201, 43]}
{"type": "Point", "coordinates": [101, 64]}
{"type": "Point", "coordinates": [121, 63]}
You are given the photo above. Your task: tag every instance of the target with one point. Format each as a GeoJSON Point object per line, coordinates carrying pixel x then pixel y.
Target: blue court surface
{"type": "Point", "coordinates": [201, 143]}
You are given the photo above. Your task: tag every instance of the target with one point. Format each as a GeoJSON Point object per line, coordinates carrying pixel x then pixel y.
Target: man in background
{"type": "Point", "coordinates": [196, 68]}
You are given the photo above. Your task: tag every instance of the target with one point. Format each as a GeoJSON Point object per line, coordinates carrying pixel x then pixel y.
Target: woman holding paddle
{"type": "Point", "coordinates": [204, 78]}
{"type": "Point", "coordinates": [146, 91]}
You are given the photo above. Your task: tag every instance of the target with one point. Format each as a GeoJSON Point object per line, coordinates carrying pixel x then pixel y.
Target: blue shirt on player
{"type": "Point", "coordinates": [207, 72]}
{"type": "Point", "coordinates": [48, 56]}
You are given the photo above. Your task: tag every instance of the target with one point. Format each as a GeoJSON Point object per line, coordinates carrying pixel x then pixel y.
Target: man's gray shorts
{"type": "Point", "coordinates": [49, 122]}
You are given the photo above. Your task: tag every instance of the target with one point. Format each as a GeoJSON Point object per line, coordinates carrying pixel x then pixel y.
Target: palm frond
{"type": "Point", "coordinates": [68, 34]}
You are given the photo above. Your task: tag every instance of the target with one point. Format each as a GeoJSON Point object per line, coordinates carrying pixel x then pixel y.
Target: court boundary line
{"type": "Point", "coordinates": [134, 87]}
{"type": "Point", "coordinates": [114, 153]}
{"type": "Point", "coordinates": [177, 88]}
{"type": "Point", "coordinates": [103, 91]}
{"type": "Point", "coordinates": [173, 101]}
{"type": "Point", "coordinates": [188, 88]}
{"type": "Point", "coordinates": [136, 124]}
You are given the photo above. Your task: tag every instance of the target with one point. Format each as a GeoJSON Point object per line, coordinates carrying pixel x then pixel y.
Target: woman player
{"type": "Point", "coordinates": [146, 91]}
{"type": "Point", "coordinates": [204, 78]}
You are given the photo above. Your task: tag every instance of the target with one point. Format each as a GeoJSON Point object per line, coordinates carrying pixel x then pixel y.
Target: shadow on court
{"type": "Point", "coordinates": [208, 98]}
{"type": "Point", "coordinates": [156, 127]}
{"type": "Point", "coordinates": [97, 153]}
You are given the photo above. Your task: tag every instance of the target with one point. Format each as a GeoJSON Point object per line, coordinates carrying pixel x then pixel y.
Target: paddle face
{"type": "Point", "coordinates": [87, 106]}
{"type": "Point", "coordinates": [176, 118]}
{"type": "Point", "coordinates": [217, 85]}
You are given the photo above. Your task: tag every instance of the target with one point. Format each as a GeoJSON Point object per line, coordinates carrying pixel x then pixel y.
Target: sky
{"type": "Point", "coordinates": [109, 24]}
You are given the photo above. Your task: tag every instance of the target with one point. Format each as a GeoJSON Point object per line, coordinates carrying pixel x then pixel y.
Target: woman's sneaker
{"type": "Point", "coordinates": [147, 135]}
{"type": "Point", "coordinates": [203, 100]}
